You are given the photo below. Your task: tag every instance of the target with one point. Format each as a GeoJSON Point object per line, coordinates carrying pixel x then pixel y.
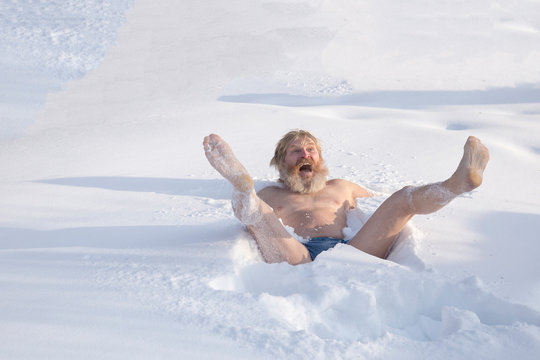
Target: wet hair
{"type": "Point", "coordinates": [286, 140]}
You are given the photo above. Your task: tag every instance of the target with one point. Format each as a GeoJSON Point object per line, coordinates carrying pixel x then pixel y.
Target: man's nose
{"type": "Point", "coordinates": [306, 154]}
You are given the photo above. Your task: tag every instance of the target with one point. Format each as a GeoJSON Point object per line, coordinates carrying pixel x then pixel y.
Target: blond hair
{"type": "Point", "coordinates": [286, 140]}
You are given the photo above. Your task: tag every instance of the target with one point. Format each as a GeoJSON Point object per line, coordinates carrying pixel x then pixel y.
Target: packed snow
{"type": "Point", "coordinates": [118, 240]}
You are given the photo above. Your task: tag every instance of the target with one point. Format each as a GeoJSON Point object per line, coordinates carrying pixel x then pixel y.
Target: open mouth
{"type": "Point", "coordinates": [306, 168]}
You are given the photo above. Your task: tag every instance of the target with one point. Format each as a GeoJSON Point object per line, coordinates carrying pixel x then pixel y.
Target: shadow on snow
{"type": "Point", "coordinates": [218, 189]}
{"type": "Point", "coordinates": [400, 99]}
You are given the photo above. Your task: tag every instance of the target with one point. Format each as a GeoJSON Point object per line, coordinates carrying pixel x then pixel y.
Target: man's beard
{"type": "Point", "coordinates": [296, 183]}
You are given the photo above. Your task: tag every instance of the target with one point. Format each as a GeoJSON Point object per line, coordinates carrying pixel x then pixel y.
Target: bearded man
{"type": "Point", "coordinates": [317, 209]}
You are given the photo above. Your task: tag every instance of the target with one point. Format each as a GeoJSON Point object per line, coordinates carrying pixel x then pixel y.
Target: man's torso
{"type": "Point", "coordinates": [314, 215]}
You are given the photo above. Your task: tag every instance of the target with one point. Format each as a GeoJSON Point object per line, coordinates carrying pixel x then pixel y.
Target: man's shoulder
{"type": "Point", "coordinates": [340, 182]}
{"type": "Point", "coordinates": [271, 189]}
{"type": "Point", "coordinates": [273, 194]}
{"type": "Point", "coordinates": [355, 189]}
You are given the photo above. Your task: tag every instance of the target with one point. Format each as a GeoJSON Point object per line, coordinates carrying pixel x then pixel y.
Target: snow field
{"type": "Point", "coordinates": [117, 239]}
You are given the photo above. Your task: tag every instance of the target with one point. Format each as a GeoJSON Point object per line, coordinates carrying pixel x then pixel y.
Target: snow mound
{"type": "Point", "coordinates": [350, 298]}
{"type": "Point", "coordinates": [347, 299]}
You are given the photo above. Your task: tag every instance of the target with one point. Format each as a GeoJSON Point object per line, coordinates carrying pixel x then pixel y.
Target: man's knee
{"type": "Point", "coordinates": [247, 207]}
{"type": "Point", "coordinates": [404, 201]}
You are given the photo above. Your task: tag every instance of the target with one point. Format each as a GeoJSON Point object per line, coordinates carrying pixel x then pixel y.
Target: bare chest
{"type": "Point", "coordinates": [314, 216]}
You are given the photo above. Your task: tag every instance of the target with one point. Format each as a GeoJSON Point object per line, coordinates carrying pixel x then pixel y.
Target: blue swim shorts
{"type": "Point", "coordinates": [317, 245]}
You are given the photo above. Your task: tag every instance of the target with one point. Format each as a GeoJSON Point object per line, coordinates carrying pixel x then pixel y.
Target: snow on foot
{"type": "Point", "coordinates": [469, 173]}
{"type": "Point", "coordinates": [221, 157]}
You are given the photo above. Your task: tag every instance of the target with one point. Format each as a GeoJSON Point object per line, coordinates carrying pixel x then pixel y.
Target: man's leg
{"type": "Point", "coordinates": [380, 231]}
{"type": "Point", "coordinates": [274, 242]}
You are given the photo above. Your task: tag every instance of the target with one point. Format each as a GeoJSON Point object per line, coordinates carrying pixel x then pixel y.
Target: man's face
{"type": "Point", "coordinates": [302, 158]}
{"type": "Point", "coordinates": [303, 170]}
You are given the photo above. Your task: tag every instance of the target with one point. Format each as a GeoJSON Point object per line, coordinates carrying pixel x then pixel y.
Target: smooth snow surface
{"type": "Point", "coordinates": [118, 240]}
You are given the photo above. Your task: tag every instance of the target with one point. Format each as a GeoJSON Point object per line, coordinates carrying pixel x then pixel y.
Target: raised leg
{"type": "Point", "coordinates": [274, 242]}
{"type": "Point", "coordinates": [380, 231]}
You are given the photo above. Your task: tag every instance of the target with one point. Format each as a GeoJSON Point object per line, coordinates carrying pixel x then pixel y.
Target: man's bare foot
{"type": "Point", "coordinates": [221, 157]}
{"type": "Point", "coordinates": [468, 175]}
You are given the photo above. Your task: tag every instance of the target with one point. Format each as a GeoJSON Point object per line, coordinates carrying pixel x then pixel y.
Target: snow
{"type": "Point", "coordinates": [118, 240]}
{"type": "Point", "coordinates": [46, 43]}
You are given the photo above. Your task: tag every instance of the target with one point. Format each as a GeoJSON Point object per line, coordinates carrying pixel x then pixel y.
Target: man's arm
{"type": "Point", "coordinates": [355, 190]}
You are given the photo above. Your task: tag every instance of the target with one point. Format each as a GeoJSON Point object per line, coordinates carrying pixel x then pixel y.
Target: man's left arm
{"type": "Point", "coordinates": [360, 191]}
{"type": "Point", "coordinates": [355, 190]}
